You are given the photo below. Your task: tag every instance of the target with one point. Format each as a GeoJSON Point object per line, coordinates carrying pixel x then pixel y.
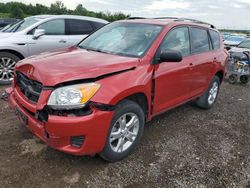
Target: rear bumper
{"type": "Point", "coordinates": [58, 130]}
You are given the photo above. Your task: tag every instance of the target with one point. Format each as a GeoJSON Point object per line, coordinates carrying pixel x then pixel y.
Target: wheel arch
{"type": "Point", "coordinates": [220, 74]}
{"type": "Point", "coordinates": [18, 54]}
{"type": "Point", "coordinates": [141, 99]}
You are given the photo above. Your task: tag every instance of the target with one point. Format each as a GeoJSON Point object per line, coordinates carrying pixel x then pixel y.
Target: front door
{"type": "Point", "coordinates": [54, 38]}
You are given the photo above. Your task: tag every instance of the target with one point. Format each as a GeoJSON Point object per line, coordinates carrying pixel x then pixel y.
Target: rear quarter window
{"type": "Point", "coordinates": [215, 37]}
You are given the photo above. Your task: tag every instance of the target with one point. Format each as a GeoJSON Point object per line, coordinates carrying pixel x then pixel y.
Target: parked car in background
{"type": "Point", "coordinates": [225, 35]}
{"type": "Point", "coordinates": [95, 97]}
{"type": "Point", "coordinates": [243, 46]}
{"type": "Point", "coordinates": [6, 21]}
{"type": "Point", "coordinates": [234, 40]}
{"type": "Point", "coordinates": [239, 63]}
{"type": "Point", "coordinates": [38, 34]}
{"type": "Point", "coordinates": [241, 52]}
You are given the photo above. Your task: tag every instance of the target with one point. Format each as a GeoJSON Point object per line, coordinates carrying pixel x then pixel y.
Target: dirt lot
{"type": "Point", "coordinates": [186, 147]}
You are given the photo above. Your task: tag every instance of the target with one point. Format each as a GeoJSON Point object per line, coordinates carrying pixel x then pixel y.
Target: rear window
{"type": "Point", "coordinates": [200, 42]}
{"type": "Point", "coordinates": [215, 37]}
{"type": "Point", "coordinates": [79, 27]}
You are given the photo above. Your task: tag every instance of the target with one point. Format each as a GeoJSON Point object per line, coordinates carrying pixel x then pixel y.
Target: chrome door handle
{"type": "Point", "coordinates": [62, 41]}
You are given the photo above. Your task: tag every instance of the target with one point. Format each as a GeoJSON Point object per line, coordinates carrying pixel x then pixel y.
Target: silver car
{"type": "Point", "coordinates": [38, 34]}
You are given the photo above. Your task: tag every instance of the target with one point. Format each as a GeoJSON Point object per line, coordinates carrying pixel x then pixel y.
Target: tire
{"type": "Point", "coordinates": [125, 110]}
{"type": "Point", "coordinates": [7, 65]}
{"type": "Point", "coordinates": [232, 79]}
{"type": "Point", "coordinates": [244, 79]}
{"type": "Point", "coordinates": [207, 100]}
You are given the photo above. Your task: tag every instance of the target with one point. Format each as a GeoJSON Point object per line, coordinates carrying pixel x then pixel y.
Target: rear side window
{"type": "Point", "coordinates": [177, 39]}
{"type": "Point", "coordinates": [200, 41]}
{"type": "Point", "coordinates": [78, 27]}
{"type": "Point", "coordinates": [215, 37]}
{"type": "Point", "coordinates": [97, 25]}
{"type": "Point", "coordinates": [53, 27]}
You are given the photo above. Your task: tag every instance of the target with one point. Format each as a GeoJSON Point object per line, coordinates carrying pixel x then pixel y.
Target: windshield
{"type": "Point", "coordinates": [125, 39]}
{"type": "Point", "coordinates": [21, 25]}
{"type": "Point", "coordinates": [245, 44]}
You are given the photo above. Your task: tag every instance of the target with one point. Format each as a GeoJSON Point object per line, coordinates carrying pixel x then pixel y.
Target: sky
{"type": "Point", "coordinates": [224, 14]}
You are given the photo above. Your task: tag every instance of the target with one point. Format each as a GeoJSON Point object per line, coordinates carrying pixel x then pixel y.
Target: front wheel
{"type": "Point", "coordinates": [125, 131]}
{"type": "Point", "coordinates": [207, 100]}
{"type": "Point", "coordinates": [7, 64]}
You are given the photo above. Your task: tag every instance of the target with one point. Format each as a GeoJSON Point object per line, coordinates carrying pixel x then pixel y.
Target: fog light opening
{"type": "Point", "coordinates": [77, 141]}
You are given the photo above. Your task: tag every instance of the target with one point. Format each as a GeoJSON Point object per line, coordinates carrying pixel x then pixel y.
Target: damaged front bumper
{"type": "Point", "coordinates": [78, 135]}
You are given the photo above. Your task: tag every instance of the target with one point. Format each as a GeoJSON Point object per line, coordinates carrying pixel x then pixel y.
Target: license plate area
{"type": "Point", "coordinates": [20, 114]}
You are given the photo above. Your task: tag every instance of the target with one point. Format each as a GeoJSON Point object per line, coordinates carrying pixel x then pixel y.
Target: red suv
{"type": "Point", "coordinates": [96, 97]}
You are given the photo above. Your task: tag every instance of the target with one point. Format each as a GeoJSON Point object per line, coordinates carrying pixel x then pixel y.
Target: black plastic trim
{"type": "Point", "coordinates": [103, 107]}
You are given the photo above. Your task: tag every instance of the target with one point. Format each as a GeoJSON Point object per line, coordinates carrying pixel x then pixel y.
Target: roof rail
{"type": "Point", "coordinates": [176, 19]}
{"type": "Point", "coordinates": [134, 18]}
{"type": "Point", "coordinates": [187, 19]}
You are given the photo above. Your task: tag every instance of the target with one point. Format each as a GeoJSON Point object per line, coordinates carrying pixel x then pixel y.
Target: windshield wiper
{"type": "Point", "coordinates": [94, 50]}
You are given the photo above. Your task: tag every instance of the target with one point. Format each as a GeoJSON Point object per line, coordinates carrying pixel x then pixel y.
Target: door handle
{"type": "Point", "coordinates": [215, 60]}
{"type": "Point", "coordinates": [191, 64]}
{"type": "Point", "coordinates": [62, 41]}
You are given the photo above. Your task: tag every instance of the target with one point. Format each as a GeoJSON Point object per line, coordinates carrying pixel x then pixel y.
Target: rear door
{"type": "Point", "coordinates": [54, 38]}
{"type": "Point", "coordinates": [172, 80]}
{"type": "Point", "coordinates": [203, 59]}
{"type": "Point", "coordinates": [78, 29]}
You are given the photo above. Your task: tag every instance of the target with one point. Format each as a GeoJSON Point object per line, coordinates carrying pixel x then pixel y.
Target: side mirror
{"type": "Point", "coordinates": [228, 48]}
{"type": "Point", "coordinates": [38, 33]}
{"type": "Point", "coordinates": [171, 56]}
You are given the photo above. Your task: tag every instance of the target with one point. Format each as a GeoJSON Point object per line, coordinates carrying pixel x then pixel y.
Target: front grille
{"type": "Point", "coordinates": [30, 88]}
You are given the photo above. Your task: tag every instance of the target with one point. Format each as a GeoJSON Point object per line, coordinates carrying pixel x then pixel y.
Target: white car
{"type": "Point", "coordinates": [42, 33]}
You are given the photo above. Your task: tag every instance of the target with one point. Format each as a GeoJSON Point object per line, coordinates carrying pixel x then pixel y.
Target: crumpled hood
{"type": "Point", "coordinates": [72, 64]}
{"type": "Point", "coordinates": [237, 54]}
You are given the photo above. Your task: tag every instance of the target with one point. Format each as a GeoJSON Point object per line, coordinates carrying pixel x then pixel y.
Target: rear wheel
{"type": "Point", "coordinates": [207, 100]}
{"type": "Point", "coordinates": [125, 131]}
{"type": "Point", "coordinates": [7, 64]}
{"type": "Point", "coordinates": [244, 79]}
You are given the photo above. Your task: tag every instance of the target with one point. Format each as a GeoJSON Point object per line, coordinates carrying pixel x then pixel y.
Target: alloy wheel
{"type": "Point", "coordinates": [124, 132]}
{"type": "Point", "coordinates": [7, 66]}
{"type": "Point", "coordinates": [213, 92]}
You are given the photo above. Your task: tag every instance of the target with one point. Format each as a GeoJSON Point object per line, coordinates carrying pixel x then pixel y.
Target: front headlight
{"type": "Point", "coordinates": [74, 96]}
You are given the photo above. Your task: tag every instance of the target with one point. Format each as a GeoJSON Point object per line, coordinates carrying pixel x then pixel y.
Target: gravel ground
{"type": "Point", "coordinates": [185, 147]}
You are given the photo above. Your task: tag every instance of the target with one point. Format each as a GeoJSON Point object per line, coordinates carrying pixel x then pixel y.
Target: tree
{"type": "Point", "coordinates": [80, 10]}
{"type": "Point", "coordinates": [16, 12]}
{"type": "Point", "coordinates": [58, 8]}
{"type": "Point", "coordinates": [19, 10]}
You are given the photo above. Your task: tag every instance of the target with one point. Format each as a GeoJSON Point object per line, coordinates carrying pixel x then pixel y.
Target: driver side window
{"type": "Point", "coordinates": [177, 39]}
{"type": "Point", "coordinates": [53, 27]}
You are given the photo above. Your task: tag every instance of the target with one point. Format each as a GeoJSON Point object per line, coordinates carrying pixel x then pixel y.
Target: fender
{"type": "Point", "coordinates": [118, 87]}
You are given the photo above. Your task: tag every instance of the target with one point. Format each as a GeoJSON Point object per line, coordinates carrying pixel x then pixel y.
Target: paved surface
{"type": "Point", "coordinates": [185, 147]}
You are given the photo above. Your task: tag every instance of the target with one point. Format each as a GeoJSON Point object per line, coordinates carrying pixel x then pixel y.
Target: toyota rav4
{"type": "Point", "coordinates": [94, 98]}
